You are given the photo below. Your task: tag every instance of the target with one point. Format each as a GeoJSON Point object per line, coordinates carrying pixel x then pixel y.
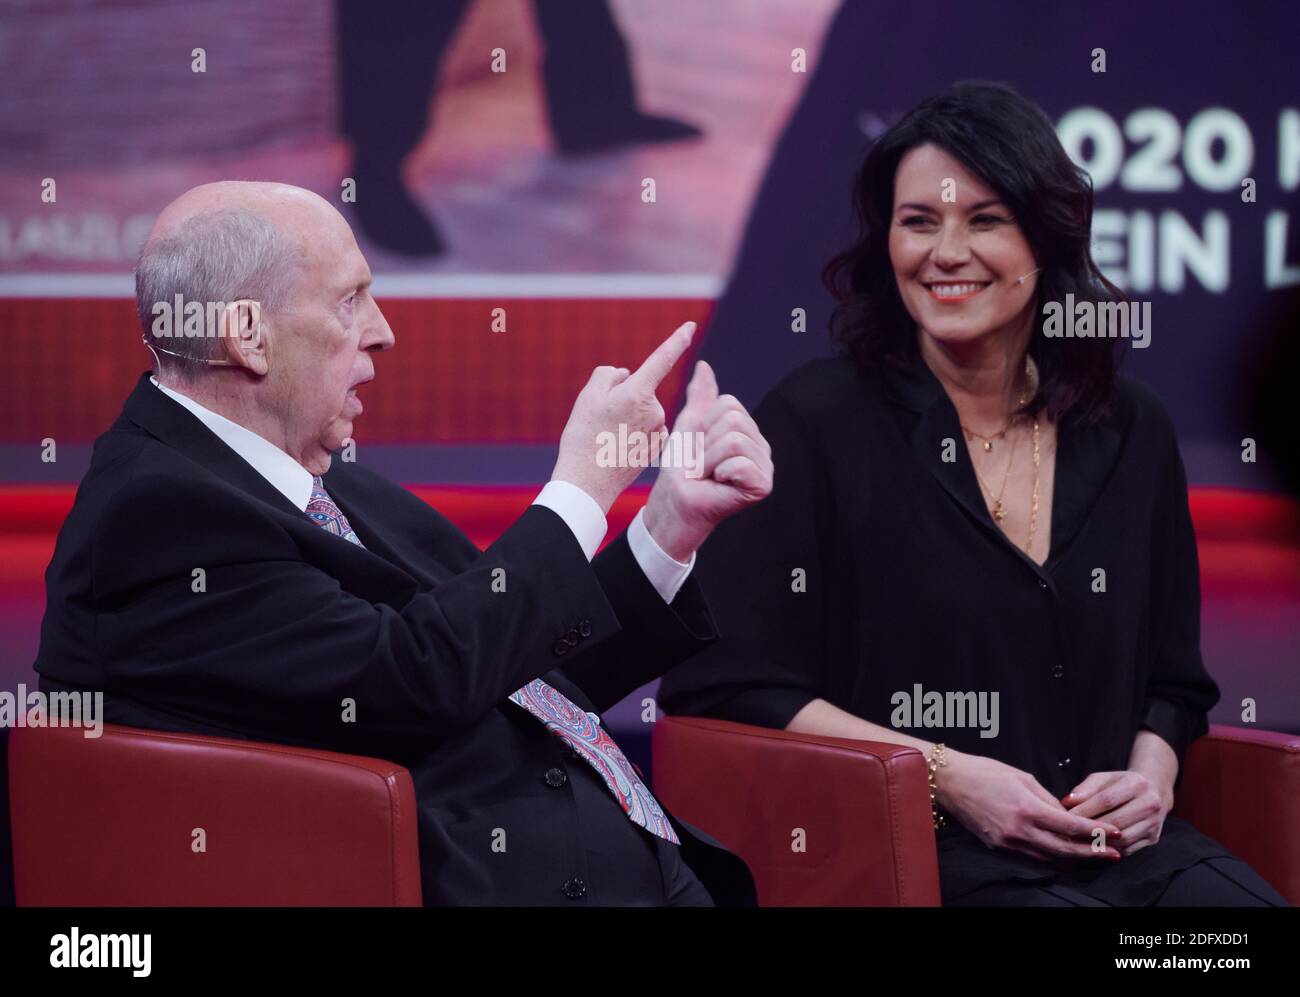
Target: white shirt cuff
{"type": "Point", "coordinates": [665, 573]}
{"type": "Point", "coordinates": [579, 511]}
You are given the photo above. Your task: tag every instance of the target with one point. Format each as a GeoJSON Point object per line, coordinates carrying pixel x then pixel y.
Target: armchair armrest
{"type": "Point", "coordinates": [863, 808]}
{"type": "Point", "coordinates": [116, 821]}
{"type": "Point", "coordinates": [1242, 788]}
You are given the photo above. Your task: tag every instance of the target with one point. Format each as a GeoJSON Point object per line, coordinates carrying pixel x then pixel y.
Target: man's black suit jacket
{"type": "Point", "coordinates": [198, 598]}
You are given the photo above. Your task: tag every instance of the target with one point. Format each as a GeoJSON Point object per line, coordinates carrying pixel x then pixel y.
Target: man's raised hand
{"type": "Point", "coordinates": [615, 397]}
{"type": "Point", "coordinates": [732, 468]}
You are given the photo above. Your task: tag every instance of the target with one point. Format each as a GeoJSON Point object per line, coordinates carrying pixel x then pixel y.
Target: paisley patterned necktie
{"type": "Point", "coordinates": [562, 716]}
{"type": "Point", "coordinates": [582, 731]}
{"type": "Point", "coordinates": [328, 516]}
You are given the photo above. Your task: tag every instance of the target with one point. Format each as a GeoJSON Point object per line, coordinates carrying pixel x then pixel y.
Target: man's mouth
{"type": "Point", "coordinates": [355, 399]}
{"type": "Point", "coordinates": [954, 292]}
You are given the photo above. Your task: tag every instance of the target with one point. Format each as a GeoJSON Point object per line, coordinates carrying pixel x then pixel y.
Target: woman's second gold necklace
{"type": "Point", "coordinates": [998, 512]}
{"type": "Point", "coordinates": [1033, 507]}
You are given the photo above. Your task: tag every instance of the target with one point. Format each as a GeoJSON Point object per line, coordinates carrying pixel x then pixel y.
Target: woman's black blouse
{"type": "Point", "coordinates": [874, 567]}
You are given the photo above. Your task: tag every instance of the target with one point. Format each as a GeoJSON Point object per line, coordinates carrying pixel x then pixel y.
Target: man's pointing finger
{"type": "Point", "coordinates": [664, 358]}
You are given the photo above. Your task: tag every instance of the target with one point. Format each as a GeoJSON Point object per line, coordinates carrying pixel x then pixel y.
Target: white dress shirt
{"type": "Point", "coordinates": [580, 512]}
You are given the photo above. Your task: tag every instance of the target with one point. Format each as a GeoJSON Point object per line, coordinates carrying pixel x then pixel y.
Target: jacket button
{"type": "Point", "coordinates": [575, 889]}
{"type": "Point", "coordinates": [560, 648]}
{"type": "Point", "coordinates": [1058, 672]}
{"type": "Point", "coordinates": [555, 778]}
{"type": "Point", "coordinates": [584, 628]}
{"type": "Point", "coordinates": [571, 638]}
{"type": "Point", "coordinates": [1063, 762]}
{"type": "Point", "coordinates": [1042, 584]}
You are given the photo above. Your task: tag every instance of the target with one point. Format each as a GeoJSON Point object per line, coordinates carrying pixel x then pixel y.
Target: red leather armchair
{"type": "Point", "coordinates": [111, 821]}
{"type": "Point", "coordinates": [1242, 788]}
{"type": "Point", "coordinates": [864, 807]}
{"type": "Point", "coordinates": [108, 821]}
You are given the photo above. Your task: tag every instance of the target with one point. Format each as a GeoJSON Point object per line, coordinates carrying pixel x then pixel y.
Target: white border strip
{"type": "Point", "coordinates": [527, 285]}
{"type": "Point", "coordinates": [67, 285]}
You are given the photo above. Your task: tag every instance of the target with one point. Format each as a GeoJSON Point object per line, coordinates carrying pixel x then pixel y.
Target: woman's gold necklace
{"type": "Point", "coordinates": [988, 440]}
{"type": "Point", "coordinates": [1031, 389]}
{"type": "Point", "coordinates": [998, 511]}
{"type": "Point", "coordinates": [1033, 508]}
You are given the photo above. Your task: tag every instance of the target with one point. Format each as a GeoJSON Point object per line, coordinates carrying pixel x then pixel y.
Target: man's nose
{"type": "Point", "coordinates": [378, 335]}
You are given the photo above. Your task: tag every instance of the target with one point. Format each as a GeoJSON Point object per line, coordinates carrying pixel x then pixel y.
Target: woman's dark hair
{"type": "Point", "coordinates": [1010, 144]}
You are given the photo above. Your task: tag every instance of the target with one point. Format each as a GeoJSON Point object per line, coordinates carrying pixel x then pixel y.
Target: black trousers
{"type": "Point", "coordinates": [388, 56]}
{"type": "Point", "coordinates": [1213, 882]}
{"type": "Point", "coordinates": [627, 866]}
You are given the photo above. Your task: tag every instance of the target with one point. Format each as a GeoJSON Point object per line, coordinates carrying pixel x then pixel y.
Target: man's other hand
{"type": "Point", "coordinates": [731, 470]}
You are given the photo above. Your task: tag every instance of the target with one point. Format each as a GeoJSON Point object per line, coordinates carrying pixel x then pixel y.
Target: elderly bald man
{"type": "Point", "coordinates": [221, 572]}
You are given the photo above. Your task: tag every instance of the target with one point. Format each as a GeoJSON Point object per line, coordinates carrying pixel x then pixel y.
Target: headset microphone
{"type": "Point", "coordinates": [1021, 280]}
{"type": "Point", "coordinates": [183, 356]}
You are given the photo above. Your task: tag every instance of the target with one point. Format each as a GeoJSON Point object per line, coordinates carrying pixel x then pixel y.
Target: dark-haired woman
{"type": "Point", "coordinates": [978, 542]}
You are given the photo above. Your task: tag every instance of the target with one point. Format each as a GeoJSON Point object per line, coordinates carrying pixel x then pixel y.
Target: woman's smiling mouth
{"type": "Point", "coordinates": [954, 292]}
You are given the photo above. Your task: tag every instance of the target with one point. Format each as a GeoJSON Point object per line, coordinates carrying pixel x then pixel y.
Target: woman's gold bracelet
{"type": "Point", "coordinates": [933, 763]}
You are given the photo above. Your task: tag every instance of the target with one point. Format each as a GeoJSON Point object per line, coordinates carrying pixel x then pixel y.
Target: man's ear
{"type": "Point", "coordinates": [244, 335]}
